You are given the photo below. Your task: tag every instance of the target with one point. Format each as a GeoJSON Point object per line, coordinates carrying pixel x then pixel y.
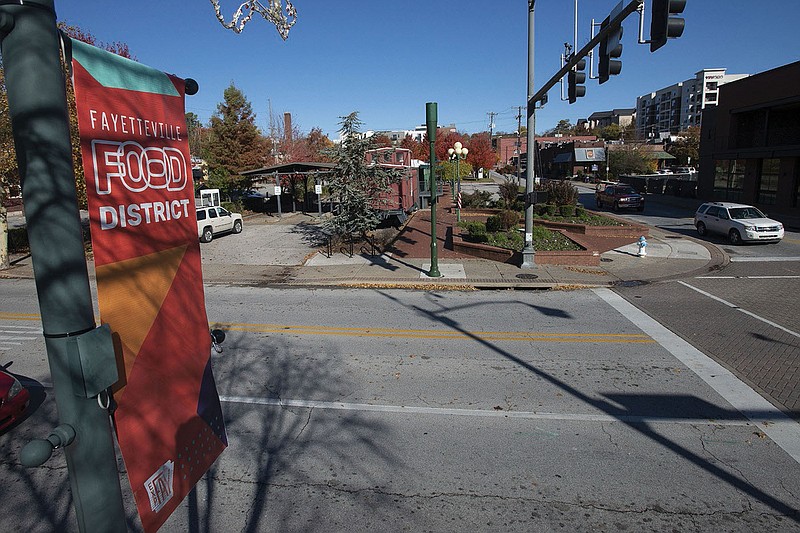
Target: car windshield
{"type": "Point", "coordinates": [625, 190]}
{"type": "Point", "coordinates": [739, 213]}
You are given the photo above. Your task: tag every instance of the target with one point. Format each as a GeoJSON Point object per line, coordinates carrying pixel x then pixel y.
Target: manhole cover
{"type": "Point", "coordinates": [673, 236]}
{"type": "Point", "coordinates": [527, 276]}
{"type": "Point", "coordinates": [605, 260]}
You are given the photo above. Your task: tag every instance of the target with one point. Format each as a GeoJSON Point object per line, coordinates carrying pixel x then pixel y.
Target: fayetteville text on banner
{"type": "Point", "coordinates": [149, 279]}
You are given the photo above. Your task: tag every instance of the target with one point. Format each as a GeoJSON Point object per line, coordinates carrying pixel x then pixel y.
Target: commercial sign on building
{"type": "Point", "coordinates": [149, 279]}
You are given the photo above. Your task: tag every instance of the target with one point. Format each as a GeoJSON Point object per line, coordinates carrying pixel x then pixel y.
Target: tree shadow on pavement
{"type": "Point", "coordinates": [276, 444]}
{"type": "Point", "coordinates": [635, 411]}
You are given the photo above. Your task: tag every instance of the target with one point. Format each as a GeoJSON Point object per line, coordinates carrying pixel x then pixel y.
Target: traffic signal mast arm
{"type": "Point", "coordinates": [612, 26]}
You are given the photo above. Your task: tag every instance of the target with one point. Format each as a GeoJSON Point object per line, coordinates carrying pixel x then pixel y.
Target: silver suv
{"type": "Point", "coordinates": [738, 222]}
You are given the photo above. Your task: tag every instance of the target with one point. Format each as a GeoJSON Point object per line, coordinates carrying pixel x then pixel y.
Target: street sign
{"type": "Point", "coordinates": [318, 189]}
{"type": "Point", "coordinates": [277, 190]}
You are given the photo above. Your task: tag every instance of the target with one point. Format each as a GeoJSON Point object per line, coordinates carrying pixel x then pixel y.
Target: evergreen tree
{"type": "Point", "coordinates": [360, 188]}
{"type": "Point", "coordinates": [234, 142]}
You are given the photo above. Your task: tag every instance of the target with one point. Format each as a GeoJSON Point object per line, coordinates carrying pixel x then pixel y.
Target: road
{"type": "Point", "coordinates": [367, 410]}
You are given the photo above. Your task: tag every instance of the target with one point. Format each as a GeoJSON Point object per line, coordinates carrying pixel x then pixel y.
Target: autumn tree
{"type": "Point", "coordinates": [9, 173]}
{"type": "Point", "coordinates": [418, 150]}
{"type": "Point", "coordinates": [358, 187]}
{"type": "Point", "coordinates": [234, 143]}
{"type": "Point", "coordinates": [481, 154]}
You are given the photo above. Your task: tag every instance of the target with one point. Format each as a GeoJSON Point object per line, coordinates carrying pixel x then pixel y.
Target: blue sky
{"type": "Point", "coordinates": [386, 59]}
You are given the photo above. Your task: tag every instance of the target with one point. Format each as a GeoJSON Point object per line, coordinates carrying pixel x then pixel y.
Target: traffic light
{"type": "Point", "coordinates": [663, 25]}
{"type": "Point", "coordinates": [575, 80]}
{"type": "Point", "coordinates": [610, 49]}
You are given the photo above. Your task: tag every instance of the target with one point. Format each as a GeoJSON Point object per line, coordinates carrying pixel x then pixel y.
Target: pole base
{"type": "Point", "coordinates": [527, 257]}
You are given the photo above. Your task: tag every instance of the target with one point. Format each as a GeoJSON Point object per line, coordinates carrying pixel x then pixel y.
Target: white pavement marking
{"type": "Point", "coordinates": [784, 431]}
{"type": "Point", "coordinates": [745, 311]}
{"type": "Point", "coordinates": [406, 409]}
{"type": "Point", "coordinates": [447, 270]}
{"type": "Point", "coordinates": [747, 259]}
{"type": "Point", "coordinates": [747, 277]}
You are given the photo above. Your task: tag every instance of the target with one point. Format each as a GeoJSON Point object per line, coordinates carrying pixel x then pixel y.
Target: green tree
{"type": "Point", "coordinates": [628, 159]}
{"type": "Point", "coordinates": [234, 142]}
{"type": "Point", "coordinates": [194, 131]}
{"type": "Point", "coordinates": [359, 188]}
{"type": "Point", "coordinates": [687, 147]}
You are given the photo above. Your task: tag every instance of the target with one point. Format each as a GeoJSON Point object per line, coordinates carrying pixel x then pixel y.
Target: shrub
{"type": "Point", "coordinates": [509, 190]}
{"type": "Point", "coordinates": [567, 210]}
{"type": "Point", "coordinates": [580, 211]}
{"type": "Point", "coordinates": [233, 207]}
{"type": "Point", "coordinates": [494, 224]}
{"type": "Point", "coordinates": [476, 199]}
{"type": "Point", "coordinates": [540, 209]}
{"type": "Point", "coordinates": [550, 209]}
{"type": "Point", "coordinates": [476, 231]}
{"type": "Point", "coordinates": [508, 219]}
{"type": "Point", "coordinates": [561, 193]}
{"type": "Point", "coordinates": [18, 240]}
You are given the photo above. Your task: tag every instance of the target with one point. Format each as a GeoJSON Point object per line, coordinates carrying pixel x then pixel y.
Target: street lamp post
{"type": "Point", "coordinates": [457, 153]}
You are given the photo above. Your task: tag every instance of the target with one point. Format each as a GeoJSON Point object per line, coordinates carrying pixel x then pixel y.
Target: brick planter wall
{"type": "Point", "coordinates": [501, 255]}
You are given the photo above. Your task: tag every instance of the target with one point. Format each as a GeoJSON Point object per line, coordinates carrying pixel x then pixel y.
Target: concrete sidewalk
{"type": "Point", "coordinates": [669, 255]}
{"type": "Point", "coordinates": [407, 263]}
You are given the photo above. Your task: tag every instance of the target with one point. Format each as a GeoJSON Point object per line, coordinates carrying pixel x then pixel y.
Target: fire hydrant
{"type": "Point", "coordinates": [642, 246]}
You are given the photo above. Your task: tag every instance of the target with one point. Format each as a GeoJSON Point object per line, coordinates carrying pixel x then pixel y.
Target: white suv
{"type": "Point", "coordinates": [214, 220]}
{"type": "Point", "coordinates": [738, 221]}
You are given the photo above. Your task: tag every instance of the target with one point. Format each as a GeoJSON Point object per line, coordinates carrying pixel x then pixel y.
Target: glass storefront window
{"type": "Point", "coordinates": [768, 181]}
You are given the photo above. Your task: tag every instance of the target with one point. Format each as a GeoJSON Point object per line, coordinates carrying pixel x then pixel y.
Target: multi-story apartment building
{"type": "Point", "coordinates": [675, 108]}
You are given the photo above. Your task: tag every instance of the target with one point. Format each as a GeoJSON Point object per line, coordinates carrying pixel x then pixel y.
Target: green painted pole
{"type": "Point", "coordinates": [40, 122]}
{"type": "Point", "coordinates": [431, 119]}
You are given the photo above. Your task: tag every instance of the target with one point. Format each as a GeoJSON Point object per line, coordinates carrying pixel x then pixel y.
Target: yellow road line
{"type": "Point", "coordinates": [437, 334]}
{"type": "Point", "coordinates": [20, 316]}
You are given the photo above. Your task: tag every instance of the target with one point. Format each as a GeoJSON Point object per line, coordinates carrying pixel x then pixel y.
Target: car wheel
{"type": "Point", "coordinates": [616, 206]}
{"type": "Point", "coordinates": [640, 208]}
{"type": "Point", "coordinates": [734, 237]}
{"type": "Point", "coordinates": [701, 229]}
{"type": "Point", "coordinates": [599, 203]}
{"type": "Point", "coordinates": [237, 226]}
{"type": "Point", "coordinates": [207, 235]}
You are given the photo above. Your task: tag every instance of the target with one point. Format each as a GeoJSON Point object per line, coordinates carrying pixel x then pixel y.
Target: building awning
{"type": "Point", "coordinates": [563, 158]}
{"type": "Point", "coordinates": [586, 155]}
{"type": "Point", "coordinates": [659, 155]}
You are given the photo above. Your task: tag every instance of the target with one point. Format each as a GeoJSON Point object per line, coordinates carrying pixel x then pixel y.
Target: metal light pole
{"type": "Point", "coordinates": [431, 119]}
{"type": "Point", "coordinates": [40, 122]}
{"type": "Point", "coordinates": [457, 153]}
{"type": "Point", "coordinates": [528, 251]}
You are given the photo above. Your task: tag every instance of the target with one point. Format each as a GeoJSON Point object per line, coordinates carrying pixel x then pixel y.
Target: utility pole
{"type": "Point", "coordinates": [528, 252]}
{"type": "Point", "coordinates": [492, 114]}
{"type": "Point", "coordinates": [75, 346]}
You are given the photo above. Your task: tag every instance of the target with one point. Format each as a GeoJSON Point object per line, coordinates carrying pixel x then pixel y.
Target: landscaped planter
{"type": "Point", "coordinates": [502, 255]}
{"type": "Point", "coordinates": [581, 234]}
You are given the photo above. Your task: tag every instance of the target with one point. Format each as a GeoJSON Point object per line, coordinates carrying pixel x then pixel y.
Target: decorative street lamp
{"type": "Point", "coordinates": [457, 153]}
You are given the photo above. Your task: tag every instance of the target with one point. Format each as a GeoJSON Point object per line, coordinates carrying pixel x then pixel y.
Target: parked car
{"type": "Point", "coordinates": [14, 399]}
{"type": "Point", "coordinates": [739, 222]}
{"type": "Point", "coordinates": [212, 221]}
{"type": "Point", "coordinates": [619, 196]}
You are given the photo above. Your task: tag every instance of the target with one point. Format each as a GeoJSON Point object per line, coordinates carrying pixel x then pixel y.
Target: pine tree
{"type": "Point", "coordinates": [234, 142]}
{"type": "Point", "coordinates": [360, 188]}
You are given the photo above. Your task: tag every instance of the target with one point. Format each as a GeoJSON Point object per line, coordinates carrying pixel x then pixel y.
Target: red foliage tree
{"type": "Point", "coordinates": [481, 154]}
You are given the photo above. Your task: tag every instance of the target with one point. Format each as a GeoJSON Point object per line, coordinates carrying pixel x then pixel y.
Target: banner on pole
{"type": "Point", "coordinates": [140, 191]}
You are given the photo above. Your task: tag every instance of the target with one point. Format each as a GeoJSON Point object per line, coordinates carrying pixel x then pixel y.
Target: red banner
{"type": "Point", "coordinates": [149, 279]}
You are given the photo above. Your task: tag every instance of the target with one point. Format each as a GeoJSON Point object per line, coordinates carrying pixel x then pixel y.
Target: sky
{"type": "Point", "coordinates": [386, 59]}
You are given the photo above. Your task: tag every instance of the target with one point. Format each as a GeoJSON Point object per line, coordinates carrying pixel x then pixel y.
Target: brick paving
{"type": "Point", "coordinates": [762, 355]}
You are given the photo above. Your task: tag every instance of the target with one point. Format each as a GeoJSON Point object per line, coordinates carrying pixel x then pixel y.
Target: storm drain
{"type": "Point", "coordinates": [527, 276]}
